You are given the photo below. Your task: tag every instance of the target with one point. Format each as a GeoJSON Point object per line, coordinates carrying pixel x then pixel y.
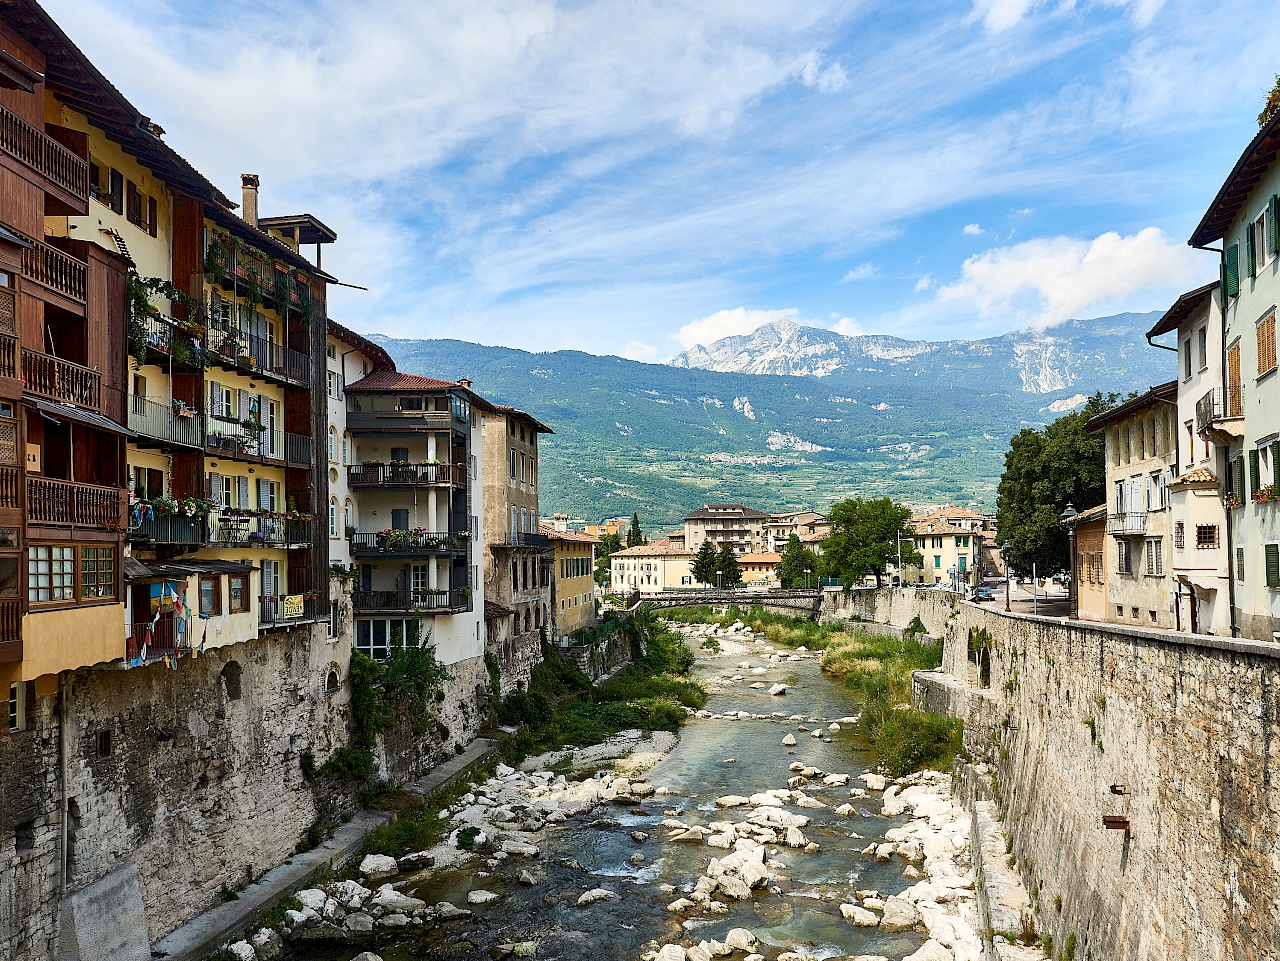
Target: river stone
{"type": "Point", "coordinates": [732, 801]}
{"type": "Point", "coordinates": [242, 951]}
{"type": "Point", "coordinates": [796, 766]}
{"type": "Point", "coordinates": [861, 917]}
{"type": "Point", "coordinates": [376, 866]}
{"type": "Point", "coordinates": [740, 939]}
{"type": "Point", "coordinates": [833, 726]}
{"type": "Point", "coordinates": [735, 888]}
{"type": "Point", "coordinates": [671, 952]}
{"type": "Point", "coordinates": [268, 945]}
{"type": "Point", "coordinates": [481, 896]}
{"type": "Point", "coordinates": [679, 905]}
{"type": "Point", "coordinates": [795, 838]}
{"type": "Point", "coordinates": [352, 894]}
{"type": "Point", "coordinates": [931, 950]}
{"type": "Point", "coordinates": [836, 780]}
{"type": "Point", "coordinates": [789, 741]}
{"type": "Point", "coordinates": [764, 799]}
{"type": "Point", "coordinates": [694, 834]}
{"type": "Point", "coordinates": [846, 810]}
{"type": "Point", "coordinates": [596, 894]}
{"type": "Point", "coordinates": [724, 841]}
{"type": "Point", "coordinates": [900, 915]}
{"type": "Point", "coordinates": [446, 911]}
{"type": "Point", "coordinates": [777, 690]}
{"type": "Point", "coordinates": [396, 920]}
{"type": "Point", "coordinates": [357, 922]}
{"type": "Point", "coordinates": [697, 953]}
{"type": "Point", "coordinates": [390, 900]}
{"type": "Point", "coordinates": [868, 957]}
{"type": "Point", "coordinates": [875, 782]}
{"type": "Point", "coordinates": [753, 874]}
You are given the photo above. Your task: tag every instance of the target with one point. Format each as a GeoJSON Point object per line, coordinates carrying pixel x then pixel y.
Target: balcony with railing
{"type": "Point", "coordinates": [161, 422]}
{"type": "Point", "coordinates": [398, 474]}
{"type": "Point", "coordinates": [68, 503]}
{"type": "Point", "coordinates": [168, 529]}
{"type": "Point", "coordinates": [281, 610]}
{"type": "Point", "coordinates": [62, 170]}
{"type": "Point", "coordinates": [241, 441]}
{"type": "Point", "coordinates": [1127, 524]}
{"type": "Point", "coordinates": [164, 339]}
{"type": "Point", "coordinates": [413, 543]}
{"type": "Point", "coordinates": [399, 421]}
{"type": "Point", "coordinates": [8, 355]}
{"type": "Point", "coordinates": [227, 529]}
{"type": "Point", "coordinates": [233, 346]}
{"type": "Point", "coordinates": [153, 640]}
{"type": "Point", "coordinates": [297, 449]}
{"type": "Point", "coordinates": [60, 380]}
{"type": "Point", "coordinates": [10, 487]}
{"type": "Point", "coordinates": [1220, 415]}
{"type": "Point", "coordinates": [57, 271]}
{"type": "Point", "coordinates": [410, 602]}
{"type": "Point", "coordinates": [517, 539]}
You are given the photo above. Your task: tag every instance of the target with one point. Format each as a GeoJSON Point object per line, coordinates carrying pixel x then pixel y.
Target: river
{"type": "Point", "coordinates": [804, 917]}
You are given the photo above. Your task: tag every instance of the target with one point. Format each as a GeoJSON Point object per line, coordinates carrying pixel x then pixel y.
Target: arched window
{"type": "Point", "coordinates": [333, 445]}
{"type": "Point", "coordinates": [331, 683]}
{"type": "Point", "coordinates": [348, 514]}
{"type": "Point", "coordinates": [346, 449]}
{"type": "Point", "coordinates": [333, 517]}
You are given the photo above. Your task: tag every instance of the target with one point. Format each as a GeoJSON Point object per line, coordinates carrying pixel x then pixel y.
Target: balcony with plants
{"type": "Point", "coordinates": [159, 338]}
{"type": "Point", "coordinates": [164, 520]}
{"type": "Point", "coordinates": [414, 542]}
{"type": "Point", "coordinates": [249, 527]}
{"type": "Point", "coordinates": [402, 474]}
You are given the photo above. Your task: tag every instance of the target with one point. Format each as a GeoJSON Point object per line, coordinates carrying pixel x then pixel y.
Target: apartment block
{"type": "Point", "coordinates": [739, 526]}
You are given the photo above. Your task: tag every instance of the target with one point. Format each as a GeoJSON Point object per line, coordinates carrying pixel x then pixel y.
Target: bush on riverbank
{"type": "Point", "coordinates": [562, 708]}
{"type": "Point", "coordinates": [779, 628]}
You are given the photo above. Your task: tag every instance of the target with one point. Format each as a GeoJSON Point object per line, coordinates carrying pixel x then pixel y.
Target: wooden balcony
{"type": "Point", "coordinates": [68, 504]}
{"type": "Point", "coordinates": [10, 487]}
{"type": "Point", "coordinates": [406, 475]}
{"type": "Point", "coordinates": [61, 273]}
{"type": "Point", "coordinates": [8, 355]}
{"type": "Point", "coordinates": [62, 173]}
{"type": "Point", "coordinates": [60, 380]}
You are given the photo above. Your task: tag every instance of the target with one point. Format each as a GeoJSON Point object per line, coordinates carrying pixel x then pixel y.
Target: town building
{"type": "Point", "coordinates": [1199, 561]}
{"type": "Point", "coordinates": [1240, 415]}
{"type": "Point", "coordinates": [779, 528]}
{"type": "Point", "coordinates": [741, 527]}
{"type": "Point", "coordinates": [1087, 531]}
{"type": "Point", "coordinates": [574, 588]}
{"type": "Point", "coordinates": [518, 558]}
{"type": "Point", "coordinates": [651, 569]}
{"type": "Point", "coordinates": [1141, 452]}
{"type": "Point", "coordinates": [956, 545]}
{"type": "Point", "coordinates": [759, 569]}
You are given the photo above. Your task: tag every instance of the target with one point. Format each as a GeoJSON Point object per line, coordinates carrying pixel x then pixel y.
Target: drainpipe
{"type": "Point", "coordinates": [63, 764]}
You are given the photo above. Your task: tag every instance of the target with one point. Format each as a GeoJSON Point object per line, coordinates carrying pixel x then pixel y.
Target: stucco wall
{"type": "Point", "coordinates": [1187, 725]}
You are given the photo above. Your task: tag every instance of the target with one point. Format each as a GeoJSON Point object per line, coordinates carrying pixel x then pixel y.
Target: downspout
{"type": "Point", "coordinates": [63, 764]}
{"type": "Point", "coordinates": [1222, 346]}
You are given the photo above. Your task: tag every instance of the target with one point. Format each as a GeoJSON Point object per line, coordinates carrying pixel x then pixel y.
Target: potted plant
{"type": "Point", "coordinates": [351, 531]}
{"type": "Point", "coordinates": [1264, 494]}
{"type": "Point", "coordinates": [164, 506]}
{"type": "Point", "coordinates": [1232, 502]}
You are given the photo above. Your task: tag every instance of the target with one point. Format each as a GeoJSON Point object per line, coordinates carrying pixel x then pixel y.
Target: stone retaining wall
{"type": "Point", "coordinates": [1188, 727]}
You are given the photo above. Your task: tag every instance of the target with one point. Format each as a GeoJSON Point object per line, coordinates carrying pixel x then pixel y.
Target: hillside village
{"type": "Point", "coordinates": [224, 513]}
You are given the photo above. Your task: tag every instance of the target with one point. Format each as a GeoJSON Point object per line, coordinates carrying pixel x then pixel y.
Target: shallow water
{"type": "Point", "coordinates": [804, 917]}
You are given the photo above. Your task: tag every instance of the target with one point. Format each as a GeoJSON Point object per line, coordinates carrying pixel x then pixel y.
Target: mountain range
{"type": "Point", "coordinates": [790, 416]}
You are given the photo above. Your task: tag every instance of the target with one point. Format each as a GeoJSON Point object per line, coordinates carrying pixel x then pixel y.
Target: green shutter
{"type": "Point", "coordinates": [1273, 234]}
{"type": "Point", "coordinates": [1240, 479]}
{"type": "Point", "coordinates": [1253, 471]}
{"type": "Point", "coordinates": [1233, 270]}
{"type": "Point", "coordinates": [1272, 554]}
{"type": "Point", "coordinates": [1250, 256]}
{"type": "Point", "coordinates": [1275, 462]}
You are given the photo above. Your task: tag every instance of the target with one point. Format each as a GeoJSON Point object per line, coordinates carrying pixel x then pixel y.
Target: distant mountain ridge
{"type": "Point", "coordinates": [803, 416]}
{"type": "Point", "coordinates": [1045, 361]}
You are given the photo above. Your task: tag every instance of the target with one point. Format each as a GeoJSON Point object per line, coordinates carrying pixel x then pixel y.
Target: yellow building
{"type": "Point", "coordinates": [759, 568]}
{"type": "Point", "coordinates": [651, 569]}
{"type": "Point", "coordinates": [575, 561]}
{"type": "Point", "coordinates": [954, 542]}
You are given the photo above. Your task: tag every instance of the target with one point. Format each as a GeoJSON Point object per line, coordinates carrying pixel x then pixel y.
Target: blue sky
{"type": "Point", "coordinates": [636, 177]}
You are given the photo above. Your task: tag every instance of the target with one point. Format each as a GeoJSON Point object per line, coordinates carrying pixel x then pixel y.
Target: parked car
{"type": "Point", "coordinates": [981, 594]}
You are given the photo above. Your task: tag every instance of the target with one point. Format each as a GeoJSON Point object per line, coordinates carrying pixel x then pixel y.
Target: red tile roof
{"type": "Point", "coordinates": [395, 380]}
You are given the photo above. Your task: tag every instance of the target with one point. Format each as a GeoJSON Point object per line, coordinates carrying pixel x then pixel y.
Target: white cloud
{"type": "Point", "coordinates": [1051, 279]}
{"type": "Point", "coordinates": [828, 79]}
{"type": "Point", "coordinates": [924, 283]}
{"type": "Point", "coordinates": [973, 230]}
{"type": "Point", "coordinates": [639, 350]}
{"type": "Point", "coordinates": [728, 323]}
{"type": "Point", "coordinates": [1000, 15]}
{"type": "Point", "coordinates": [848, 326]}
{"type": "Point", "coordinates": [860, 272]}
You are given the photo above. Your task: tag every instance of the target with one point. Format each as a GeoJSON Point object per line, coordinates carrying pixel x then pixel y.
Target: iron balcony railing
{"type": "Point", "coordinates": [406, 475]}
{"type": "Point", "coordinates": [169, 529]}
{"type": "Point", "coordinates": [406, 543]}
{"type": "Point", "coordinates": [233, 438]}
{"type": "Point", "coordinates": [282, 609]}
{"type": "Point", "coordinates": [241, 530]}
{"type": "Point", "coordinates": [1129, 522]}
{"type": "Point", "coordinates": [60, 502]}
{"type": "Point", "coordinates": [403, 420]}
{"type": "Point", "coordinates": [43, 154]}
{"type": "Point", "coordinates": [150, 641]}
{"type": "Point", "coordinates": [160, 422]}
{"type": "Point", "coordinates": [60, 379]}
{"type": "Point", "coordinates": [423, 602]}
{"type": "Point", "coordinates": [50, 267]}
{"type": "Point", "coordinates": [233, 345]}
{"type": "Point", "coordinates": [515, 539]}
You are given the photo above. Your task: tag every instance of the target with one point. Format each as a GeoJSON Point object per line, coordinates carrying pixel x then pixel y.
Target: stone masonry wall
{"type": "Point", "coordinates": [1188, 727]}
{"type": "Point", "coordinates": [192, 773]}
{"type": "Point", "coordinates": [409, 751]}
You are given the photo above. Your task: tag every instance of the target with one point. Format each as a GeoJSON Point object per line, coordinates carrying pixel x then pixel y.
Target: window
{"type": "Point", "coordinates": [346, 450]}
{"type": "Point", "coordinates": [410, 403]}
{"type": "Point", "coordinates": [1206, 536]}
{"type": "Point", "coordinates": [1266, 332]}
{"type": "Point", "coordinates": [333, 445]}
{"type": "Point", "coordinates": [210, 594]}
{"type": "Point", "coordinates": [348, 514]}
{"type": "Point", "coordinates": [333, 517]}
{"type": "Point", "coordinates": [1155, 555]}
{"type": "Point", "coordinates": [238, 593]}
{"type": "Point", "coordinates": [1271, 554]}
{"type": "Point", "coordinates": [1124, 556]}
{"type": "Point", "coordinates": [97, 572]}
{"type": "Point", "coordinates": [1239, 563]}
{"type": "Point", "coordinates": [51, 574]}
{"type": "Point", "coordinates": [376, 637]}
{"type": "Point", "coordinates": [1179, 536]}
{"type": "Point", "coordinates": [332, 385]}
{"type": "Point", "coordinates": [513, 464]}
{"type": "Point", "coordinates": [1186, 358]}
{"type": "Point", "coordinates": [17, 706]}
{"type": "Point", "coordinates": [331, 352]}
{"type": "Point", "coordinates": [1202, 347]}
{"type": "Point", "coordinates": [399, 455]}
{"type": "Point", "coordinates": [937, 560]}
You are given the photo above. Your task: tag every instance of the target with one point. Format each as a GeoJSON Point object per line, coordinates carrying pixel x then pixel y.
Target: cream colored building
{"type": "Point", "coordinates": [779, 528]}
{"type": "Point", "coordinates": [741, 527]}
{"type": "Point", "coordinates": [954, 542]}
{"type": "Point", "coordinates": [651, 569]}
{"type": "Point", "coordinates": [760, 569]}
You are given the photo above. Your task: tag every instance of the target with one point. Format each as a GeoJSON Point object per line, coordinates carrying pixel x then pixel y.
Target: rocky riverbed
{"type": "Point", "coordinates": [764, 833]}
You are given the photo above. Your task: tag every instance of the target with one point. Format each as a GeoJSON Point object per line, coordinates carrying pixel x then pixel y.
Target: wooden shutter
{"type": "Point", "coordinates": [1235, 401]}
{"type": "Point", "coordinates": [1266, 342]}
{"type": "Point", "coordinates": [268, 579]}
{"type": "Point", "coordinates": [244, 404]}
{"type": "Point", "coordinates": [1250, 255]}
{"type": "Point", "coordinates": [1240, 482]}
{"type": "Point", "coordinates": [117, 191]}
{"type": "Point", "coordinates": [1233, 270]}
{"type": "Point", "coordinates": [215, 489]}
{"type": "Point", "coordinates": [242, 492]}
{"type": "Point", "coordinates": [1272, 554]}
{"type": "Point", "coordinates": [1275, 462]}
{"type": "Point", "coordinates": [264, 494]}
{"type": "Point", "coordinates": [151, 216]}
{"type": "Point", "coordinates": [1253, 471]}
{"type": "Point", "coordinates": [400, 520]}
{"type": "Point", "coordinates": [132, 207]}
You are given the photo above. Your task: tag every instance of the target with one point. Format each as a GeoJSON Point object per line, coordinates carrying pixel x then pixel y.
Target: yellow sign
{"type": "Point", "coordinates": [291, 606]}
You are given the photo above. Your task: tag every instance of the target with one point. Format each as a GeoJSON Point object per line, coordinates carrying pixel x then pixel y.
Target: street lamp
{"type": "Point", "coordinates": [1004, 552]}
{"type": "Point", "coordinates": [1068, 513]}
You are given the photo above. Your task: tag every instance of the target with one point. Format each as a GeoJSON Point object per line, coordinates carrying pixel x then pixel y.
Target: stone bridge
{"type": "Point", "coordinates": [796, 603]}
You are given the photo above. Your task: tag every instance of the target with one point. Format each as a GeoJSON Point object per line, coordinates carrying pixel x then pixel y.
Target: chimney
{"type": "Point", "coordinates": [465, 382]}
{"type": "Point", "coordinates": [249, 198]}
{"type": "Point", "coordinates": [561, 522]}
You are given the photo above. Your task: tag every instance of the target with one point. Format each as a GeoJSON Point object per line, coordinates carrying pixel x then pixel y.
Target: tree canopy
{"type": "Point", "coordinates": [609, 545]}
{"type": "Point", "coordinates": [864, 539]}
{"type": "Point", "coordinates": [705, 563]}
{"type": "Point", "coordinates": [1044, 470]}
{"type": "Point", "coordinates": [798, 567]}
{"type": "Point", "coordinates": [727, 567]}
{"type": "Point", "coordinates": [1271, 104]}
{"type": "Point", "coordinates": [634, 537]}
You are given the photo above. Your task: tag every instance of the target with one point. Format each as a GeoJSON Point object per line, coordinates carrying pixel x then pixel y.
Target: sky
{"type": "Point", "coordinates": [636, 178]}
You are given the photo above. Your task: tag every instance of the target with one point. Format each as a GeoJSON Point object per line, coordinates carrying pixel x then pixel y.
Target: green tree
{"type": "Point", "coordinates": [634, 537]}
{"type": "Point", "coordinates": [727, 567]}
{"type": "Point", "coordinates": [705, 563]}
{"type": "Point", "coordinates": [864, 539]}
{"type": "Point", "coordinates": [1271, 104]}
{"type": "Point", "coordinates": [609, 545]}
{"type": "Point", "coordinates": [799, 565]}
{"type": "Point", "coordinates": [1043, 471]}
